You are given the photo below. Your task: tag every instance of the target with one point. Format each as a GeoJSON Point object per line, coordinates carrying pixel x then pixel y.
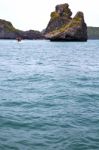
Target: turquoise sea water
{"type": "Point", "coordinates": [49, 95]}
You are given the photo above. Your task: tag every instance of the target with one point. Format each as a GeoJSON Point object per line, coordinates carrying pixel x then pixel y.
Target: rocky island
{"type": "Point", "coordinates": [62, 27]}
{"type": "Point", "coordinates": [8, 31]}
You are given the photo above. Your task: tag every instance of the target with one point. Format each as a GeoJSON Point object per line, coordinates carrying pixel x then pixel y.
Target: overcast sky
{"type": "Point", "coordinates": [35, 14]}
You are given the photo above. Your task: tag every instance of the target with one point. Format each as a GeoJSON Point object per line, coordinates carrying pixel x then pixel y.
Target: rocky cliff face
{"type": "Point", "coordinates": [7, 31]}
{"type": "Point", "coordinates": [62, 27]}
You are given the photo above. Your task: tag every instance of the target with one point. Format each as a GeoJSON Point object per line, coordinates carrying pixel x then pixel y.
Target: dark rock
{"type": "Point", "coordinates": [7, 31]}
{"type": "Point", "coordinates": [31, 34]}
{"type": "Point", "coordinates": [62, 27]}
{"type": "Point", "coordinates": [61, 16]}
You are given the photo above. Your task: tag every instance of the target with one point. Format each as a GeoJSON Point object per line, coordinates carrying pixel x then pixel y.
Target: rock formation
{"type": "Point", "coordinates": [7, 31]}
{"type": "Point", "coordinates": [31, 34]}
{"type": "Point", "coordinates": [62, 27]}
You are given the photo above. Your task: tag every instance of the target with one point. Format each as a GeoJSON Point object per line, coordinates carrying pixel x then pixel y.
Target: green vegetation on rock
{"type": "Point", "coordinates": [63, 27]}
{"type": "Point", "coordinates": [76, 21]}
{"type": "Point", "coordinates": [7, 26]}
{"type": "Point", "coordinates": [7, 31]}
{"type": "Point", "coordinates": [54, 15]}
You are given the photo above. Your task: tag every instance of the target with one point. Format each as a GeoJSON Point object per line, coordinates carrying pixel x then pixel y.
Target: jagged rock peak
{"type": "Point", "coordinates": [63, 10]}
{"type": "Point", "coordinates": [61, 16]}
{"type": "Point", "coordinates": [62, 27]}
{"type": "Point", "coordinates": [79, 15]}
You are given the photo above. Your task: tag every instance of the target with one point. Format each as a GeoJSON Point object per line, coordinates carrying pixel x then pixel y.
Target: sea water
{"type": "Point", "coordinates": [49, 95]}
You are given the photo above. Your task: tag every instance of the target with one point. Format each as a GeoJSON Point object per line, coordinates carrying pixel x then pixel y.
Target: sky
{"type": "Point", "coordinates": [35, 14]}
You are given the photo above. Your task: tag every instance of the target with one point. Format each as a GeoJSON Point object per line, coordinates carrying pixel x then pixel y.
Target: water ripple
{"type": "Point", "coordinates": [49, 95]}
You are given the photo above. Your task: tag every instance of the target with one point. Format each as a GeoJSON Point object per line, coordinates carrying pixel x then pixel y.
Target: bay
{"type": "Point", "coordinates": [49, 95]}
